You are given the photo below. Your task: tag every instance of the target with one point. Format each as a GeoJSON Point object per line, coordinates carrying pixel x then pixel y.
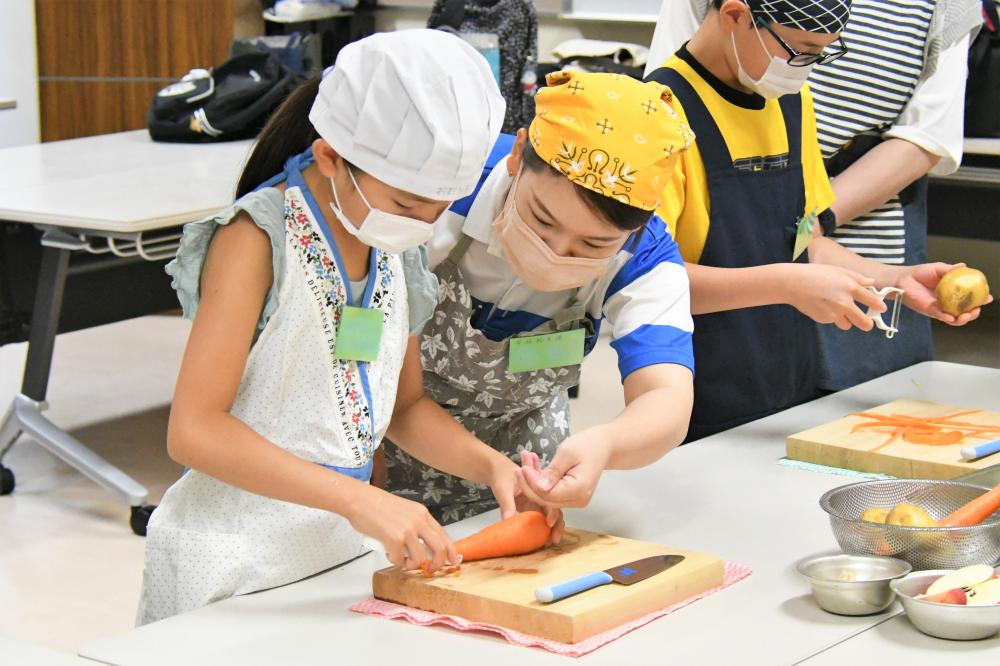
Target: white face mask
{"type": "Point", "coordinates": [778, 80]}
{"type": "Point", "coordinates": [382, 230]}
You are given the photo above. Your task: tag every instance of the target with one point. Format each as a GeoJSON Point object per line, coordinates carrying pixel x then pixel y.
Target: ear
{"type": "Point", "coordinates": [516, 158]}
{"type": "Point", "coordinates": [328, 161]}
{"type": "Point", "coordinates": [733, 14]}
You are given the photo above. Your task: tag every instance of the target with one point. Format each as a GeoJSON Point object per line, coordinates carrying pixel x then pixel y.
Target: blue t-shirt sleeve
{"type": "Point", "coordinates": [648, 305]}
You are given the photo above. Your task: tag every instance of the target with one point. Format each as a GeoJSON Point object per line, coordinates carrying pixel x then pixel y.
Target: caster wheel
{"type": "Point", "coordinates": [140, 518]}
{"type": "Point", "coordinates": [6, 480]}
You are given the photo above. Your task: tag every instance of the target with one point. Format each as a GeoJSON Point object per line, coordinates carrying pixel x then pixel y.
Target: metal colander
{"type": "Point", "coordinates": [923, 547]}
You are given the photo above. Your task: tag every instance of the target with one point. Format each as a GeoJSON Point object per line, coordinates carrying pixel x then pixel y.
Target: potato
{"type": "Point", "coordinates": [876, 514]}
{"type": "Point", "coordinates": [910, 515]}
{"type": "Point", "coordinates": [961, 290]}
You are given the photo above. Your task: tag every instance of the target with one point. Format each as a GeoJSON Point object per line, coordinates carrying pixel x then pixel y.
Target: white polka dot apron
{"type": "Point", "coordinates": [209, 540]}
{"type": "Point", "coordinates": [466, 373]}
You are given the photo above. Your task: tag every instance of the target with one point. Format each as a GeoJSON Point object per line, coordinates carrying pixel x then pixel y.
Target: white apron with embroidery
{"type": "Point", "coordinates": [209, 540]}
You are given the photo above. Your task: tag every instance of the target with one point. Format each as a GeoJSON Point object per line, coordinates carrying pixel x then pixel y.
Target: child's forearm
{"type": "Point", "coordinates": [428, 433]}
{"type": "Point", "coordinates": [716, 289]}
{"type": "Point", "coordinates": [823, 250]}
{"type": "Point", "coordinates": [655, 419]}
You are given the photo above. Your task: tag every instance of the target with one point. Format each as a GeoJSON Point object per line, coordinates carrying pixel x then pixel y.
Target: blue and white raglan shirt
{"type": "Point", "coordinates": [644, 296]}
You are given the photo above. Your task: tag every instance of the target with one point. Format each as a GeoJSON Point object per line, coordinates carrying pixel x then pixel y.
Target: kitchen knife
{"type": "Point", "coordinates": [626, 574]}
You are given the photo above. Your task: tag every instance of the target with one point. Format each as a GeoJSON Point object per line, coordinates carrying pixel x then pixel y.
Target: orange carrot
{"type": "Point", "coordinates": [974, 512]}
{"type": "Point", "coordinates": [526, 532]}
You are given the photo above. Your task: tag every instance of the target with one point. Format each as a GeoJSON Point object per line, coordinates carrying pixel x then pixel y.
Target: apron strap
{"type": "Point", "coordinates": [791, 111]}
{"type": "Point", "coordinates": [461, 247]}
{"type": "Point", "coordinates": [711, 144]}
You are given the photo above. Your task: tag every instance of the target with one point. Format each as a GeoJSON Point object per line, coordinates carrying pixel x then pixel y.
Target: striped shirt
{"type": "Point", "coordinates": [864, 92]}
{"type": "Point", "coordinates": [643, 296]}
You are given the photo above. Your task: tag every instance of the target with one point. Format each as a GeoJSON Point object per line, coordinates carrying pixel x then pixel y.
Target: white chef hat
{"type": "Point", "coordinates": [417, 109]}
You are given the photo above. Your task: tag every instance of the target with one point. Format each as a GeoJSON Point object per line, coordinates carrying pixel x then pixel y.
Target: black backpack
{"type": "Point", "coordinates": [231, 102]}
{"type": "Point", "coordinates": [982, 90]}
{"type": "Point", "coordinates": [516, 26]}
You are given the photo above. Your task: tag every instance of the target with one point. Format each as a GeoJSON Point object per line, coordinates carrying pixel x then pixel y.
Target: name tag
{"type": "Point", "coordinates": [359, 335]}
{"type": "Point", "coordinates": [550, 350]}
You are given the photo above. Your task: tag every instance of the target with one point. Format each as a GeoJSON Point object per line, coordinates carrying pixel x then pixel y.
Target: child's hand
{"type": "Point", "coordinates": [406, 529]}
{"type": "Point", "coordinates": [553, 515]}
{"type": "Point", "coordinates": [830, 294]}
{"type": "Point", "coordinates": [571, 478]}
{"type": "Point", "coordinates": [918, 284]}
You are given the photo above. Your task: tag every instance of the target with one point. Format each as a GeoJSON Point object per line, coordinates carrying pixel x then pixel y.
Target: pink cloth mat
{"type": "Point", "coordinates": [734, 574]}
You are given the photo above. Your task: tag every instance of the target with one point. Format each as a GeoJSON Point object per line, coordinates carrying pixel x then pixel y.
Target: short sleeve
{"type": "Point", "coordinates": [421, 287]}
{"type": "Point", "coordinates": [934, 117]}
{"type": "Point", "coordinates": [648, 305]}
{"type": "Point", "coordinates": [819, 190]}
{"type": "Point", "coordinates": [266, 208]}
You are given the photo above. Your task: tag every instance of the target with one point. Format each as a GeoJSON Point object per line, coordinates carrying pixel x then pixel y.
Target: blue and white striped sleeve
{"type": "Point", "coordinates": [648, 305]}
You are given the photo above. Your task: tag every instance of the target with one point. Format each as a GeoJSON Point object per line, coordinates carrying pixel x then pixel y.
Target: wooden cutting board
{"type": "Point", "coordinates": [502, 591]}
{"type": "Point", "coordinates": [833, 444]}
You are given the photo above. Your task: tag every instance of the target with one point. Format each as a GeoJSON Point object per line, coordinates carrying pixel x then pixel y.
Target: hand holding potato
{"type": "Point", "coordinates": [921, 282]}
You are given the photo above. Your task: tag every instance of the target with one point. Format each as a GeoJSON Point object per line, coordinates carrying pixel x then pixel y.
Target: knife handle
{"type": "Point", "coordinates": [549, 593]}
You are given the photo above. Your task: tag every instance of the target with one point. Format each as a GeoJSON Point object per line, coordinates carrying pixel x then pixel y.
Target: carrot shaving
{"type": "Point", "coordinates": [932, 431]}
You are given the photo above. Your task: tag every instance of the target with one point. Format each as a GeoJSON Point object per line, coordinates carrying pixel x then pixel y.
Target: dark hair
{"type": "Point", "coordinates": [287, 132]}
{"type": "Point", "coordinates": [623, 216]}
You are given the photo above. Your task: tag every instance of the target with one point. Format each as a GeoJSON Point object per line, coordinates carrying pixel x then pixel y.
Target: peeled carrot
{"type": "Point", "coordinates": [933, 437]}
{"type": "Point", "coordinates": [523, 533]}
{"type": "Point", "coordinates": [974, 512]}
{"type": "Point", "coordinates": [929, 431]}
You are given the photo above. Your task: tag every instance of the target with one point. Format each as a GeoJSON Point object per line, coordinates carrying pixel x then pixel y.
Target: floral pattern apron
{"type": "Point", "coordinates": [208, 540]}
{"type": "Point", "coordinates": [466, 373]}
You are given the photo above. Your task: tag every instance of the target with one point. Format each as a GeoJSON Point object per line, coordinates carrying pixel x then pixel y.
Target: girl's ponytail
{"type": "Point", "coordinates": [287, 132]}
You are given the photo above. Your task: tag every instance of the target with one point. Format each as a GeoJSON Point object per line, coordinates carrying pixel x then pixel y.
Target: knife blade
{"type": "Point", "coordinates": [625, 574]}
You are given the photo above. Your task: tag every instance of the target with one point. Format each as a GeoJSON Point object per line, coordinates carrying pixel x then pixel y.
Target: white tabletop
{"type": "Point", "coordinates": [117, 182]}
{"type": "Point", "coordinates": [17, 652]}
{"type": "Point", "coordinates": [725, 495]}
{"type": "Point", "coordinates": [897, 642]}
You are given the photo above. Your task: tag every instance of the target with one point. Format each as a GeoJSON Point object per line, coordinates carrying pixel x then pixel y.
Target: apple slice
{"type": "Point", "coordinates": [956, 597]}
{"type": "Point", "coordinates": [985, 594]}
{"type": "Point", "coordinates": [964, 577]}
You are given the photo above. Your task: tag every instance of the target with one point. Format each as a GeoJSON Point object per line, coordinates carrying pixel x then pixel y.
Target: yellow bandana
{"type": "Point", "coordinates": [610, 133]}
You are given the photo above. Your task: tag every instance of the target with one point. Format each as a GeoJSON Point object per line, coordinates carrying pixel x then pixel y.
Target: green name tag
{"type": "Point", "coordinates": [359, 335]}
{"type": "Point", "coordinates": [551, 350]}
{"type": "Point", "coordinates": [803, 233]}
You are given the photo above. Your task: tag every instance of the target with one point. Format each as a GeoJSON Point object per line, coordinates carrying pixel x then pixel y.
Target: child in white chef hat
{"type": "Point", "coordinates": [304, 296]}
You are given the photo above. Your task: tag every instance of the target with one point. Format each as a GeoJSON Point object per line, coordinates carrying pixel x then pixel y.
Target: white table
{"type": "Point", "coordinates": [17, 652]}
{"type": "Point", "coordinates": [120, 195]}
{"type": "Point", "coordinates": [725, 495]}
{"type": "Point", "coordinates": [896, 642]}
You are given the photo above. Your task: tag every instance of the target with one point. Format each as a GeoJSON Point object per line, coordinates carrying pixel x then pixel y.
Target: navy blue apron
{"type": "Point", "coordinates": [752, 362]}
{"type": "Point", "coordinates": [848, 358]}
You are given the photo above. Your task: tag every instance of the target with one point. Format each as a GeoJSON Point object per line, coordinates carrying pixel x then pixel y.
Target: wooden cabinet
{"type": "Point", "coordinates": [101, 61]}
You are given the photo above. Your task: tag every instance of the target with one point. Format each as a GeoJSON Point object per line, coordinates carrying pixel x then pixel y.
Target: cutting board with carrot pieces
{"type": "Point", "coordinates": [501, 591]}
{"type": "Point", "coordinates": [909, 439]}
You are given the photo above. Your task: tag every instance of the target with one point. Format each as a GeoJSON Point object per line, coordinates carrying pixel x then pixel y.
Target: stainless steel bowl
{"type": "Point", "coordinates": [853, 584]}
{"type": "Point", "coordinates": [923, 547]}
{"type": "Point", "coordinates": [957, 623]}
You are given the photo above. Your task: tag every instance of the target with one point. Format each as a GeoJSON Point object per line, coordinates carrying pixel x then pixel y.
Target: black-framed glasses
{"type": "Point", "coordinates": [799, 59]}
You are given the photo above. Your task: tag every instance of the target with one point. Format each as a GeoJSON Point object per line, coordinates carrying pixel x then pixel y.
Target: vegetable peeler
{"type": "Point", "coordinates": [891, 328]}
